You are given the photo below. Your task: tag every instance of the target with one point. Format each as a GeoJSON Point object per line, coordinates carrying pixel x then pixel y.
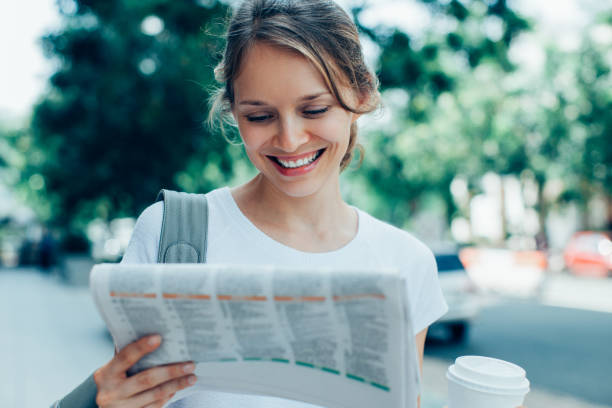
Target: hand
{"type": "Point", "coordinates": [150, 388]}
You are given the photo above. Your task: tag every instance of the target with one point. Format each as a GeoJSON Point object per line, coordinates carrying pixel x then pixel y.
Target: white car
{"type": "Point", "coordinates": [460, 293]}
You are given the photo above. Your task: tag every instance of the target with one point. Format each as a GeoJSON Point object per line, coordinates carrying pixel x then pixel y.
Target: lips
{"type": "Point", "coordinates": [293, 162]}
{"type": "Point", "coordinates": [296, 165]}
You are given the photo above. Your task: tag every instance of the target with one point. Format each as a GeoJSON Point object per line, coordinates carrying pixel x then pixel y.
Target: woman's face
{"type": "Point", "coordinates": [294, 130]}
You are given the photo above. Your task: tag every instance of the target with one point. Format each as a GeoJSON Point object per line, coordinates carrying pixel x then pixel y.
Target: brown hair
{"type": "Point", "coordinates": [317, 29]}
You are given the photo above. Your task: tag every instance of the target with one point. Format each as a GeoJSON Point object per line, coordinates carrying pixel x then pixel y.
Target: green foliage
{"type": "Point", "coordinates": [448, 124]}
{"type": "Point", "coordinates": [466, 110]}
{"type": "Point", "coordinates": [4, 149]}
{"type": "Point", "coordinates": [421, 68]}
{"type": "Point", "coordinates": [126, 109]}
{"type": "Point", "coordinates": [595, 86]}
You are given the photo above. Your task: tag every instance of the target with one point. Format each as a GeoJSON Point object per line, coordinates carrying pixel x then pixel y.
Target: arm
{"type": "Point", "coordinates": [420, 343]}
{"type": "Point", "coordinates": [110, 386]}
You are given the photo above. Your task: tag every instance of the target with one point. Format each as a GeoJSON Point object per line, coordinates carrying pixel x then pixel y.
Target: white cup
{"type": "Point", "coordinates": [484, 382]}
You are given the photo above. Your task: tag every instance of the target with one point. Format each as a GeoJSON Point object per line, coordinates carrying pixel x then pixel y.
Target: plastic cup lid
{"type": "Point", "coordinates": [489, 375]}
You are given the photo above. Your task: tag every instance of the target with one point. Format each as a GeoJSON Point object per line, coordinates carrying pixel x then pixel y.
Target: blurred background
{"type": "Point", "coordinates": [494, 147]}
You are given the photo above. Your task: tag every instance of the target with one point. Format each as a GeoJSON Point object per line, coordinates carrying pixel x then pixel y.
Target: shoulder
{"type": "Point", "coordinates": [145, 237]}
{"type": "Point", "coordinates": [151, 214]}
{"type": "Point", "coordinates": [144, 243]}
{"type": "Point", "coordinates": [156, 210]}
{"type": "Point", "coordinates": [149, 222]}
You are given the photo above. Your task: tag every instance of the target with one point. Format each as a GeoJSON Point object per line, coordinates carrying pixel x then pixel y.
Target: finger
{"type": "Point", "coordinates": [153, 377]}
{"type": "Point", "coordinates": [156, 404]}
{"type": "Point", "coordinates": [133, 352]}
{"type": "Point", "coordinates": [159, 404]}
{"type": "Point", "coordinates": [163, 402]}
{"type": "Point", "coordinates": [163, 391]}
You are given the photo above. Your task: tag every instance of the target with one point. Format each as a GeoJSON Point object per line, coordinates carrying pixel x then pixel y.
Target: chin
{"type": "Point", "coordinates": [298, 190]}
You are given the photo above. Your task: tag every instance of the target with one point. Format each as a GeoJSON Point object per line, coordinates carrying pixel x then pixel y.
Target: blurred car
{"type": "Point", "coordinates": [506, 272]}
{"type": "Point", "coordinates": [460, 293]}
{"type": "Point", "coordinates": [589, 253]}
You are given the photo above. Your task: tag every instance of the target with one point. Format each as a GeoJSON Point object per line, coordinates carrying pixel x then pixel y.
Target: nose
{"type": "Point", "coordinates": [291, 134]}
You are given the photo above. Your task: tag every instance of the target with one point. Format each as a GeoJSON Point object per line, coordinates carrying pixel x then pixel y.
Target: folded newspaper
{"type": "Point", "coordinates": [333, 338]}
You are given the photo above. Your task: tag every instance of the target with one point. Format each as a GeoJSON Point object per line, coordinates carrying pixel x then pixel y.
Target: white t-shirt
{"type": "Point", "coordinates": [233, 238]}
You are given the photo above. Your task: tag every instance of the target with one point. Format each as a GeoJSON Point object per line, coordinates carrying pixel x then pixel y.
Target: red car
{"type": "Point", "coordinates": [589, 253]}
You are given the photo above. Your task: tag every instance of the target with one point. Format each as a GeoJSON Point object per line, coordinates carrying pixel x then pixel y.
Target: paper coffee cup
{"type": "Point", "coordinates": [484, 382]}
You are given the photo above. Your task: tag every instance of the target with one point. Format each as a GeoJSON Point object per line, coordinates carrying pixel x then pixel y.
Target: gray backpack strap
{"type": "Point", "coordinates": [184, 228]}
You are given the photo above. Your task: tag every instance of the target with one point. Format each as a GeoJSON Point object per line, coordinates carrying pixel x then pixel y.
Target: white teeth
{"type": "Point", "coordinates": [298, 163]}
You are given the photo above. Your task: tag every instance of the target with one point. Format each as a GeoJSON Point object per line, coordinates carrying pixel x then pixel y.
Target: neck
{"type": "Point", "coordinates": [322, 209]}
{"type": "Point", "coordinates": [318, 222]}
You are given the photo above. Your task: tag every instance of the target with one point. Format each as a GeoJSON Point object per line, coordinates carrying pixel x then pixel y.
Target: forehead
{"type": "Point", "coordinates": [273, 73]}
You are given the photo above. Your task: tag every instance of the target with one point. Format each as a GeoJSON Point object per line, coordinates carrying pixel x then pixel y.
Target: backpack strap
{"type": "Point", "coordinates": [184, 228]}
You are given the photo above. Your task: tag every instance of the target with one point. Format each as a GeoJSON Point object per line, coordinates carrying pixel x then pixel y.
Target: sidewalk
{"type": "Point", "coordinates": [565, 290]}
{"type": "Point", "coordinates": [52, 338]}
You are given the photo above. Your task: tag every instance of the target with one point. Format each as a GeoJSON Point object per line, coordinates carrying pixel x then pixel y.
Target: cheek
{"type": "Point", "coordinates": [334, 129]}
{"type": "Point", "coordinates": [251, 137]}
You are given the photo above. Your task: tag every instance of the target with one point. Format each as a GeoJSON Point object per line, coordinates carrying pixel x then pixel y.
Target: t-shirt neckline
{"type": "Point", "coordinates": [244, 222]}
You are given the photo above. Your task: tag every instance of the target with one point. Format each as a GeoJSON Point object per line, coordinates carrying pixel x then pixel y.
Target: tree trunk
{"type": "Point", "coordinates": [585, 192]}
{"type": "Point", "coordinates": [541, 237]}
{"type": "Point", "coordinates": [502, 209]}
{"type": "Point", "coordinates": [609, 212]}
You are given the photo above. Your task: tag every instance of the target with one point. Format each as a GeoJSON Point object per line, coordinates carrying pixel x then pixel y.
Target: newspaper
{"type": "Point", "coordinates": [333, 338]}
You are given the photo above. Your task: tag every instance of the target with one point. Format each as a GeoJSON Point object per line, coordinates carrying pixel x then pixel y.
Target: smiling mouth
{"type": "Point", "coordinates": [296, 164]}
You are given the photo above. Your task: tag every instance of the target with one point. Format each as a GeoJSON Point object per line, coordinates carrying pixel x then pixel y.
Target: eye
{"type": "Point", "coordinates": [258, 118]}
{"type": "Point", "coordinates": [315, 112]}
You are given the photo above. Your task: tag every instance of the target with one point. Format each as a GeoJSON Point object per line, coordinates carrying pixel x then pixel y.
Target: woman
{"type": "Point", "coordinates": [294, 83]}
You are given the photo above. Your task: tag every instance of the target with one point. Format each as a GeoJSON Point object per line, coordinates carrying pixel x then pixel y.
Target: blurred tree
{"type": "Point", "coordinates": [577, 127]}
{"type": "Point", "coordinates": [126, 108]}
{"type": "Point", "coordinates": [11, 154]}
{"type": "Point", "coordinates": [481, 31]}
{"type": "Point", "coordinates": [4, 148]}
{"type": "Point", "coordinates": [433, 76]}
{"type": "Point", "coordinates": [595, 113]}
{"type": "Point", "coordinates": [552, 128]}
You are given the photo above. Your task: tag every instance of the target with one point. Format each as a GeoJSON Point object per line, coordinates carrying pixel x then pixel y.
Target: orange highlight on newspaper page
{"type": "Point", "coordinates": [243, 298]}
{"type": "Point", "coordinates": [133, 295]}
{"type": "Point", "coordinates": [359, 296]}
{"type": "Point", "coordinates": [185, 296]}
{"type": "Point", "coordinates": [299, 298]}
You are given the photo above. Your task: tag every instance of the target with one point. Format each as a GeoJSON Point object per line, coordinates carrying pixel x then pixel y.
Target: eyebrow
{"type": "Point", "coordinates": [303, 98]}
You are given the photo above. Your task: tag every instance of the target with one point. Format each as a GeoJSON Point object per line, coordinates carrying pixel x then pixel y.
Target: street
{"type": "Point", "coordinates": [53, 338]}
{"type": "Point", "coordinates": [566, 352]}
